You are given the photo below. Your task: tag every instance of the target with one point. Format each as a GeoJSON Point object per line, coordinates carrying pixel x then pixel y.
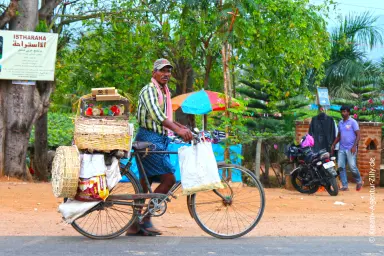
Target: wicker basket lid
{"type": "Point", "coordinates": [65, 171]}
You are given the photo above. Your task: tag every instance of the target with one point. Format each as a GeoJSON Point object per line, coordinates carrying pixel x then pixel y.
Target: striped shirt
{"type": "Point", "coordinates": [150, 114]}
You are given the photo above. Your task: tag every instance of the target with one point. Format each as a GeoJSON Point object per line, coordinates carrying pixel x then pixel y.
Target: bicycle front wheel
{"type": "Point", "coordinates": [233, 211]}
{"type": "Point", "coordinates": [109, 219]}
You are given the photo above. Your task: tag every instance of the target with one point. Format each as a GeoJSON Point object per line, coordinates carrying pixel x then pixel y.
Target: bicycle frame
{"type": "Point", "coordinates": [121, 199]}
{"type": "Point", "coordinates": [124, 199]}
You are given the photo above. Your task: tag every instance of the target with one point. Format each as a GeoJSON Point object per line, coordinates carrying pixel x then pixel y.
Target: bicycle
{"type": "Point", "coordinates": [127, 203]}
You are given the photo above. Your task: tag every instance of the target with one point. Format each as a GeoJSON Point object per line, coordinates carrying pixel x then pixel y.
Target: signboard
{"type": "Point", "coordinates": [322, 97]}
{"type": "Point", "coordinates": [27, 55]}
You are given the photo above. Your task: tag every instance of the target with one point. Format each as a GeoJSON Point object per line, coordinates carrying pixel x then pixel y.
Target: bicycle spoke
{"type": "Point", "coordinates": [107, 220]}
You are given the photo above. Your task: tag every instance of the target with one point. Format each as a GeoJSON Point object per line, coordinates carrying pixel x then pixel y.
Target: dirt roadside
{"type": "Point", "coordinates": [30, 209]}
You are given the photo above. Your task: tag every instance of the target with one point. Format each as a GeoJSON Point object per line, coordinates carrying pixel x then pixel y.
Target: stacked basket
{"type": "Point", "coordinates": [102, 133]}
{"type": "Point", "coordinates": [65, 171]}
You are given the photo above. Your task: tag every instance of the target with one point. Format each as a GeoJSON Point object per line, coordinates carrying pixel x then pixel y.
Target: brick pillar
{"type": "Point", "coordinates": [369, 159]}
{"type": "Point", "coordinates": [302, 128]}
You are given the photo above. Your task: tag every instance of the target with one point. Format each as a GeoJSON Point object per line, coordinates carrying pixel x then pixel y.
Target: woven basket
{"type": "Point", "coordinates": [65, 171]}
{"type": "Point", "coordinates": [102, 134]}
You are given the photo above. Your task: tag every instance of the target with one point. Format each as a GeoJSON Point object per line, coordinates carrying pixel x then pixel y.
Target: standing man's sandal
{"type": "Point", "coordinates": [359, 186]}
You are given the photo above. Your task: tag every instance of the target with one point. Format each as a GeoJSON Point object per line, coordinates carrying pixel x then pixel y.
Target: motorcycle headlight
{"type": "Point", "coordinates": [319, 163]}
{"type": "Point", "coordinates": [333, 158]}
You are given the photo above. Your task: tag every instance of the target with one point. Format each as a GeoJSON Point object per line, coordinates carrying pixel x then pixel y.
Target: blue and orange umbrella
{"type": "Point", "coordinates": [201, 102]}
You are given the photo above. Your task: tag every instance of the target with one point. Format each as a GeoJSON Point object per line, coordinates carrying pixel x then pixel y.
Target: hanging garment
{"type": "Point", "coordinates": [322, 128]}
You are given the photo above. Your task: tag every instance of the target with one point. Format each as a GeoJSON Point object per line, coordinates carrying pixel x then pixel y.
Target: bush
{"type": "Point", "coordinates": [60, 130]}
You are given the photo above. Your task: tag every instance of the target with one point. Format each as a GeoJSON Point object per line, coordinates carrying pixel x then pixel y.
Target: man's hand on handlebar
{"type": "Point", "coordinates": [180, 125]}
{"type": "Point", "coordinates": [185, 134]}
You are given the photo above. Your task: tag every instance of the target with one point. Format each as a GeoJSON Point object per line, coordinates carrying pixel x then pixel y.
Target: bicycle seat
{"type": "Point", "coordinates": [139, 145]}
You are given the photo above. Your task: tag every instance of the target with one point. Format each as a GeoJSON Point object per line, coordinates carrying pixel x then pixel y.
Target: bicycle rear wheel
{"type": "Point", "coordinates": [107, 219]}
{"type": "Point", "coordinates": [233, 211]}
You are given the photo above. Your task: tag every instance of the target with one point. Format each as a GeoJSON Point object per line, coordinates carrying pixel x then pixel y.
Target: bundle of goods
{"type": "Point", "coordinates": [96, 180]}
{"type": "Point", "coordinates": [102, 135]}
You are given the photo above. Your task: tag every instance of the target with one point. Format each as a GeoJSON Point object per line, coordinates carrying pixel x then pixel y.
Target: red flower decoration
{"type": "Point", "coordinates": [356, 108]}
{"type": "Point", "coordinates": [355, 116]}
{"type": "Point", "coordinates": [370, 101]}
{"type": "Point", "coordinates": [88, 112]}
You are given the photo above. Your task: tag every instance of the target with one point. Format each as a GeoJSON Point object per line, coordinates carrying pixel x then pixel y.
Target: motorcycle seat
{"type": "Point", "coordinates": [316, 156]}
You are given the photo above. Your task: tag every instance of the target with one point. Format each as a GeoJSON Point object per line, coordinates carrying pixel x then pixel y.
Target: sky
{"type": "Point", "coordinates": [345, 7]}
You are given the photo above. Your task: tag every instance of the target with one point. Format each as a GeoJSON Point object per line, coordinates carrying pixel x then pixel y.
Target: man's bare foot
{"type": "Point", "coordinates": [133, 230]}
{"type": "Point", "coordinates": [147, 226]}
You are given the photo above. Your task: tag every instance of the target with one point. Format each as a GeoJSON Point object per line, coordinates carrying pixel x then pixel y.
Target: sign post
{"type": "Point", "coordinates": [27, 56]}
{"type": "Point", "coordinates": [323, 98]}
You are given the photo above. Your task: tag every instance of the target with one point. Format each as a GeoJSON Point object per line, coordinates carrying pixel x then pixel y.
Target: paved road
{"type": "Point", "coordinates": [199, 246]}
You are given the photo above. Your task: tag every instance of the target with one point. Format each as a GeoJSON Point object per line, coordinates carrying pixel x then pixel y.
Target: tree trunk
{"type": "Point", "coordinates": [208, 67]}
{"type": "Point", "coordinates": [20, 110]}
{"type": "Point", "coordinates": [40, 159]}
{"type": "Point", "coordinates": [20, 104]}
{"type": "Point", "coordinates": [184, 76]}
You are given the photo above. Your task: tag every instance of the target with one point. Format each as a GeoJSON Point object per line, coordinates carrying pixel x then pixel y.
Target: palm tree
{"type": "Point", "coordinates": [347, 63]}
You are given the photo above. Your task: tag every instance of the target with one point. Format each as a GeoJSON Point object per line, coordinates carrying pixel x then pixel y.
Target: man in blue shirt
{"type": "Point", "coordinates": [348, 136]}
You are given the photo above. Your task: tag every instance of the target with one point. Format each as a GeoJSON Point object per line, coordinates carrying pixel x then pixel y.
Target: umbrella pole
{"type": "Point", "coordinates": [205, 122]}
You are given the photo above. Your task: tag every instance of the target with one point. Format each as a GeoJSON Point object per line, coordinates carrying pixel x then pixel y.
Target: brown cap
{"type": "Point", "coordinates": [160, 63]}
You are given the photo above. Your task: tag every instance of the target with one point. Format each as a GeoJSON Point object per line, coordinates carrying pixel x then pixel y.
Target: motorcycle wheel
{"type": "Point", "coordinates": [332, 187]}
{"type": "Point", "coordinates": [297, 184]}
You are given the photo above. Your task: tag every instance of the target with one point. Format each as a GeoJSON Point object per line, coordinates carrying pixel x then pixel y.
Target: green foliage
{"type": "Point", "coordinates": [42, 26]}
{"type": "Point", "coordinates": [60, 130]}
{"type": "Point", "coordinates": [103, 58]}
{"type": "Point", "coordinates": [281, 41]}
{"type": "Point", "coordinates": [277, 40]}
{"type": "Point", "coordinates": [278, 45]}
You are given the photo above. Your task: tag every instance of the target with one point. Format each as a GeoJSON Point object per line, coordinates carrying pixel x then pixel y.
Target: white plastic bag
{"type": "Point", "coordinates": [198, 168]}
{"type": "Point", "coordinates": [92, 165]}
{"type": "Point", "coordinates": [113, 174]}
{"type": "Point", "coordinates": [72, 209]}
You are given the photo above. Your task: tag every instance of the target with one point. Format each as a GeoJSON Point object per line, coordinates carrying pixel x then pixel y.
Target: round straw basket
{"type": "Point", "coordinates": [65, 171]}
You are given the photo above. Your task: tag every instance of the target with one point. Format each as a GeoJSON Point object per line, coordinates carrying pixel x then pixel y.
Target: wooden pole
{"type": "Point", "coordinates": [258, 158]}
{"type": "Point", "coordinates": [226, 98]}
{"type": "Point", "coordinates": [2, 130]}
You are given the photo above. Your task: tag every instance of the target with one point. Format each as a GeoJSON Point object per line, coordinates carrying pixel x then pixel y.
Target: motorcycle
{"type": "Point", "coordinates": [313, 170]}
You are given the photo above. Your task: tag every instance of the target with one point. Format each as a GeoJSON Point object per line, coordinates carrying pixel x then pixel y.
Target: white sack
{"type": "Point", "coordinates": [198, 168]}
{"type": "Point", "coordinates": [72, 209]}
{"type": "Point", "coordinates": [92, 165]}
{"type": "Point", "coordinates": [113, 174]}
